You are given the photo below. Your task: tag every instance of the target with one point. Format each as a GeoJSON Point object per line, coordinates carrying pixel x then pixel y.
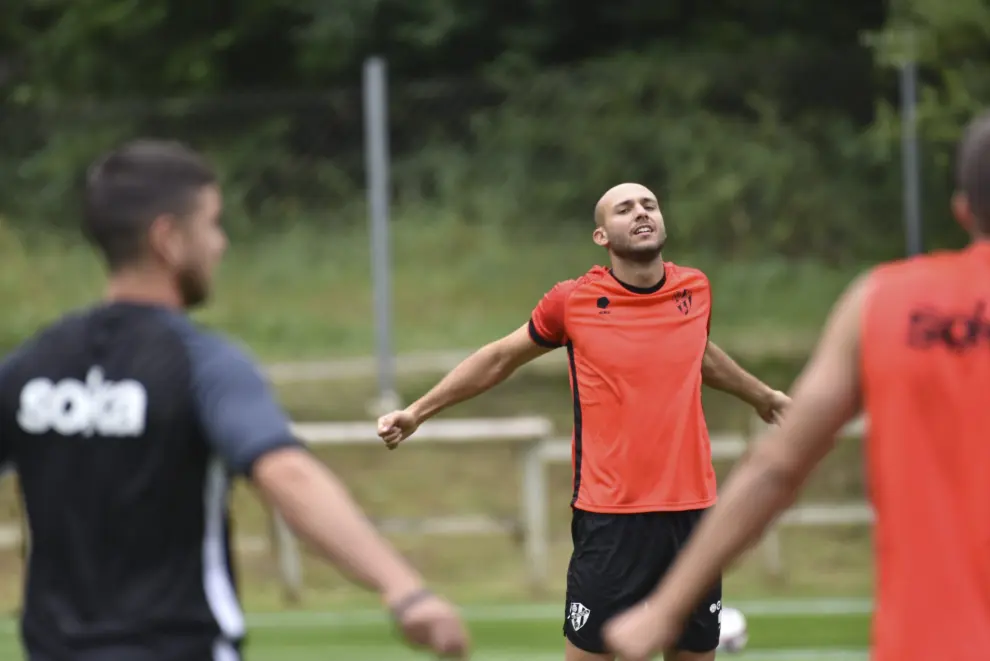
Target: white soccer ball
{"type": "Point", "coordinates": [733, 635]}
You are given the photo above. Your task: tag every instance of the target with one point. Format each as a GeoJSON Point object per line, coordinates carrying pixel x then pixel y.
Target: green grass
{"type": "Point", "coordinates": [420, 480]}
{"type": "Point", "coordinates": [525, 632]}
{"type": "Point", "coordinates": [423, 480]}
{"type": "Point", "coordinates": [307, 293]}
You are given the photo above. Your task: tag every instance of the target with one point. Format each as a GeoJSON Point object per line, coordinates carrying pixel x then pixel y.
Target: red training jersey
{"type": "Point", "coordinates": [640, 443]}
{"type": "Point", "coordinates": [925, 370]}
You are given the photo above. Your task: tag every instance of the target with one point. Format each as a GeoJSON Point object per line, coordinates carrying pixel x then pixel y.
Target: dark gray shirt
{"type": "Point", "coordinates": [125, 424]}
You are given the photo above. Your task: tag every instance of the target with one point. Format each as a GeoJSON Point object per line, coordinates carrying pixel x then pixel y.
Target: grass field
{"type": "Point", "coordinates": [819, 630]}
{"type": "Point", "coordinates": [307, 295]}
{"type": "Point", "coordinates": [419, 481]}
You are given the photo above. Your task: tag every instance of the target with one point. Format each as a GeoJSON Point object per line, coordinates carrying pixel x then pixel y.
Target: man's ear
{"type": "Point", "coordinates": [600, 237]}
{"type": "Point", "coordinates": [165, 239]}
{"type": "Point", "coordinates": [962, 211]}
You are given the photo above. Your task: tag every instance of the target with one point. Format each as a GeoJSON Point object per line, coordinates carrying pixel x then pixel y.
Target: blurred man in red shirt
{"type": "Point", "coordinates": [909, 344]}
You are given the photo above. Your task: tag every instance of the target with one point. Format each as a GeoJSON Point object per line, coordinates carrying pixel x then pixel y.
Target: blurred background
{"type": "Point", "coordinates": [405, 178]}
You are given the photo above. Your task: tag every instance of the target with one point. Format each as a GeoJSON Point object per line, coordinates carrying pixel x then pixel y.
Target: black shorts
{"type": "Point", "coordinates": [618, 560]}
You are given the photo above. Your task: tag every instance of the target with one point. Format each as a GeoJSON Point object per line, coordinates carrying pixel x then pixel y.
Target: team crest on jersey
{"type": "Point", "coordinates": [578, 615]}
{"type": "Point", "coordinates": [683, 301]}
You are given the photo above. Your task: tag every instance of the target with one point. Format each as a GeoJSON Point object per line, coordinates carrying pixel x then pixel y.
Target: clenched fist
{"type": "Point", "coordinates": [432, 623]}
{"type": "Point", "coordinates": [640, 632]}
{"type": "Point", "coordinates": [397, 426]}
{"type": "Point", "coordinates": [773, 406]}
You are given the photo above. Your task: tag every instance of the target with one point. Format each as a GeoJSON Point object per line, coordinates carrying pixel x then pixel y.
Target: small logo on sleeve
{"type": "Point", "coordinates": [602, 304]}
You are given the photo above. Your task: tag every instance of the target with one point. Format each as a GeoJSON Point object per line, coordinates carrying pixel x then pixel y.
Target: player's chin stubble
{"type": "Point", "coordinates": [638, 254]}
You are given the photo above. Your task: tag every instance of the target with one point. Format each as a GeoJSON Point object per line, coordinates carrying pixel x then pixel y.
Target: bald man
{"type": "Point", "coordinates": [636, 336]}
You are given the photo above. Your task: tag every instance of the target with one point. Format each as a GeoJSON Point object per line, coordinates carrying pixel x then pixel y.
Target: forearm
{"type": "Point", "coordinates": [481, 371]}
{"type": "Point", "coordinates": [754, 495]}
{"type": "Point", "coordinates": [719, 371]}
{"type": "Point", "coordinates": [320, 510]}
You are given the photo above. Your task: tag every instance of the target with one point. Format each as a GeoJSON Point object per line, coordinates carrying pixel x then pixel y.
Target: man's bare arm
{"type": "Point", "coordinates": [826, 397]}
{"type": "Point", "coordinates": [320, 510]}
{"type": "Point", "coordinates": [720, 371]}
{"type": "Point", "coordinates": [246, 428]}
{"type": "Point", "coordinates": [481, 371]}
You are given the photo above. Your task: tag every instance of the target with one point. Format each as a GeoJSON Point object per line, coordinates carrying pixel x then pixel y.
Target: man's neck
{"type": "Point", "coordinates": [645, 274]}
{"type": "Point", "coordinates": [140, 286]}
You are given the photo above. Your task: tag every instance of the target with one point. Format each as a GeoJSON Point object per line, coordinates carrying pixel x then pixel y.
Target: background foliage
{"type": "Point", "coordinates": [768, 128]}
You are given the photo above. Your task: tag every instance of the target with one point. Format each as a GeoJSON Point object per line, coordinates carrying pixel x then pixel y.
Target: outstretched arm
{"type": "Point", "coordinates": [481, 371]}
{"type": "Point", "coordinates": [827, 396]}
{"type": "Point", "coordinates": [249, 431]}
{"type": "Point", "coordinates": [719, 371]}
{"type": "Point", "coordinates": [486, 367]}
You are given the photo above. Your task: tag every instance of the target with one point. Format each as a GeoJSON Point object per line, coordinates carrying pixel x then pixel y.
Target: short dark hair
{"type": "Point", "coordinates": [132, 185]}
{"type": "Point", "coordinates": [973, 169]}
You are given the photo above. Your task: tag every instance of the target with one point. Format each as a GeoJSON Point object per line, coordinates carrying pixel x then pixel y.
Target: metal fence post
{"type": "Point", "coordinates": [289, 558]}
{"type": "Point", "coordinates": [534, 513]}
{"type": "Point", "coordinates": [910, 160]}
{"type": "Point", "coordinates": [377, 167]}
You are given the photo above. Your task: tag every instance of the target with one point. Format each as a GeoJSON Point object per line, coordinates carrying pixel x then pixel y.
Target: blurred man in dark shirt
{"type": "Point", "coordinates": [126, 423]}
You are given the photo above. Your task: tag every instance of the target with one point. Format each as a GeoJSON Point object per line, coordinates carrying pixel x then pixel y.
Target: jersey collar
{"type": "Point", "coordinates": [642, 290]}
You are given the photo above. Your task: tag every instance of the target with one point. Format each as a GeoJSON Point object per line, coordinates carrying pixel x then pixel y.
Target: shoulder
{"type": "Point", "coordinates": [12, 360]}
{"type": "Point", "coordinates": [916, 265]}
{"type": "Point", "coordinates": [68, 324]}
{"type": "Point", "coordinates": [909, 275]}
{"type": "Point", "coordinates": [679, 275]}
{"type": "Point", "coordinates": [57, 334]}
{"type": "Point", "coordinates": [565, 289]}
{"type": "Point", "coordinates": [213, 349]}
{"type": "Point", "coordinates": [211, 352]}
{"type": "Point", "coordinates": [594, 276]}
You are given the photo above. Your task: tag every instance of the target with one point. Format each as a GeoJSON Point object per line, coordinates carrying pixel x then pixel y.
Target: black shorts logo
{"type": "Point", "coordinates": [717, 608]}
{"type": "Point", "coordinates": [578, 615]}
